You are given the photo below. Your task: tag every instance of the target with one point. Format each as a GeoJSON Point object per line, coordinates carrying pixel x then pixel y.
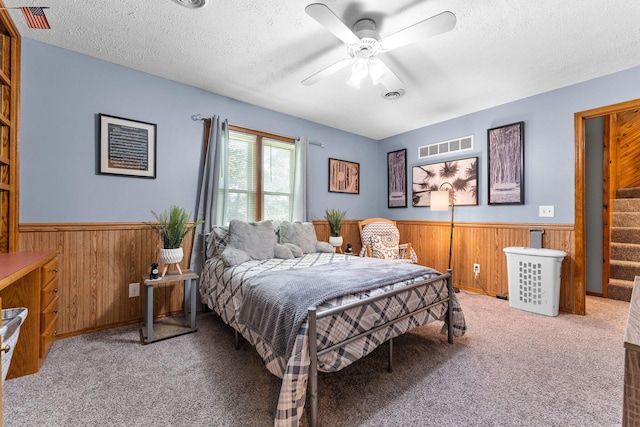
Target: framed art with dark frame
{"type": "Point", "coordinates": [344, 176]}
{"type": "Point", "coordinates": [397, 178]}
{"type": "Point", "coordinates": [460, 175]}
{"type": "Point", "coordinates": [506, 164]}
{"type": "Point", "coordinates": [127, 147]}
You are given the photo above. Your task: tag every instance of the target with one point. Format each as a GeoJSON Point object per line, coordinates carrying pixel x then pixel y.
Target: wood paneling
{"type": "Point", "coordinates": [627, 155]}
{"type": "Point", "coordinates": [477, 243]}
{"type": "Point", "coordinates": [97, 261]}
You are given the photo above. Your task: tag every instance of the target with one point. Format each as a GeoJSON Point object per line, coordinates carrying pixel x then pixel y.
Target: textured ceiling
{"type": "Point", "coordinates": [258, 51]}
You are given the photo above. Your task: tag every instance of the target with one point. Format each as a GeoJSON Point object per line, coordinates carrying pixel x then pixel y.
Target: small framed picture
{"type": "Point", "coordinates": [506, 164]}
{"type": "Point", "coordinates": [127, 147]}
{"type": "Point", "coordinates": [344, 176]}
{"type": "Point", "coordinates": [397, 178]}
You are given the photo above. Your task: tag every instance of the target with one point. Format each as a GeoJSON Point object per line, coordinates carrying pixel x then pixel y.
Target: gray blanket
{"type": "Point", "coordinates": [275, 303]}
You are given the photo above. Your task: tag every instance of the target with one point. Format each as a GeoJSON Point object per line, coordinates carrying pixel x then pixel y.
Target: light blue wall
{"type": "Point", "coordinates": [62, 93]}
{"type": "Point", "coordinates": [549, 150]}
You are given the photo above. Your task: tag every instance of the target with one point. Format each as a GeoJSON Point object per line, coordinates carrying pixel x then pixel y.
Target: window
{"type": "Point", "coordinates": [258, 175]}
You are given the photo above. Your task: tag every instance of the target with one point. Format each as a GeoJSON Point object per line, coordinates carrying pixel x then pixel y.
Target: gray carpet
{"type": "Point", "coordinates": [513, 368]}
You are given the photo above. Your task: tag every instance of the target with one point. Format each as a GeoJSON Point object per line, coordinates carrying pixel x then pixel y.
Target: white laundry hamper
{"type": "Point", "coordinates": [12, 319]}
{"type": "Point", "coordinates": [534, 279]}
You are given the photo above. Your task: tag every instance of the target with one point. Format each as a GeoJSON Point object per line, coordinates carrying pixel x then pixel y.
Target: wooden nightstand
{"type": "Point", "coordinates": [170, 326]}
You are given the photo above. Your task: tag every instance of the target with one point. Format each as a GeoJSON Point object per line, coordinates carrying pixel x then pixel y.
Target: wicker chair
{"type": "Point", "coordinates": [381, 239]}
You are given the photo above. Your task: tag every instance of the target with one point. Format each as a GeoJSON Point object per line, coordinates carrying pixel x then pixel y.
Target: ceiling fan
{"type": "Point", "coordinates": [364, 44]}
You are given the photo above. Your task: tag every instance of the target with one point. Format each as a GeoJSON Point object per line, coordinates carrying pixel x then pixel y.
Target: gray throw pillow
{"type": "Point", "coordinates": [295, 249]}
{"type": "Point", "coordinates": [324, 247]}
{"type": "Point", "coordinates": [232, 256]}
{"type": "Point", "coordinates": [281, 251]}
{"type": "Point", "coordinates": [255, 238]}
{"type": "Point", "coordinates": [300, 234]}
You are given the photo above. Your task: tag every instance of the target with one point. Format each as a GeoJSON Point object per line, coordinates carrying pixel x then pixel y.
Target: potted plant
{"type": "Point", "coordinates": [335, 218]}
{"type": "Point", "coordinates": [173, 225]}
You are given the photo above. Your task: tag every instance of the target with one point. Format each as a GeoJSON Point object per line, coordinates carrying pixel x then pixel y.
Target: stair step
{"type": "Point", "coordinates": [626, 219]}
{"type": "Point", "coordinates": [624, 270]}
{"type": "Point", "coordinates": [625, 251]}
{"type": "Point", "coordinates": [620, 289]}
{"type": "Point", "coordinates": [624, 193]}
{"type": "Point", "coordinates": [625, 235]}
{"type": "Point", "coordinates": [626, 205]}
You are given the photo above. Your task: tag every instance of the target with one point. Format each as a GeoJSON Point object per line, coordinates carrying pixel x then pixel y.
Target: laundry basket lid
{"type": "Point", "coordinates": [519, 250]}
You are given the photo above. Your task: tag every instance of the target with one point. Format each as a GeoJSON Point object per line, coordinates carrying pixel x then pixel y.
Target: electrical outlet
{"type": "Point", "coordinates": [134, 290]}
{"type": "Point", "coordinates": [476, 268]}
{"type": "Point", "coordinates": [546, 211]}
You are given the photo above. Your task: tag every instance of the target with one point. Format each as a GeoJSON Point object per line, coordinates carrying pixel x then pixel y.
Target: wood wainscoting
{"type": "Point", "coordinates": [97, 261]}
{"type": "Point", "coordinates": [477, 243]}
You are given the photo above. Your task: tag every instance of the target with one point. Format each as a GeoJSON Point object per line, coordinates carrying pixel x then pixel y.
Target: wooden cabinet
{"type": "Point", "coordinates": [9, 111]}
{"type": "Point", "coordinates": [30, 280]}
{"type": "Point", "coordinates": [48, 308]}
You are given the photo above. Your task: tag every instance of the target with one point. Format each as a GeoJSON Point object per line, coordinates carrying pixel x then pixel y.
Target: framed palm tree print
{"type": "Point", "coordinates": [459, 175]}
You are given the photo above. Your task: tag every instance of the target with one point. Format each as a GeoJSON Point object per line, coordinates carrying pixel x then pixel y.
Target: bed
{"type": "Point", "coordinates": [351, 305]}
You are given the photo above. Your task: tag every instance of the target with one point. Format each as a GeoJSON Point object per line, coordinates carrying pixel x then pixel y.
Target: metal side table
{"type": "Point", "coordinates": [170, 326]}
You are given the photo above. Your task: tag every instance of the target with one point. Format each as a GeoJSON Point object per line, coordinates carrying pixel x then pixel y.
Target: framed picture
{"type": "Point", "coordinates": [506, 164]}
{"type": "Point", "coordinates": [459, 175]}
{"type": "Point", "coordinates": [127, 147]}
{"type": "Point", "coordinates": [344, 176]}
{"type": "Point", "coordinates": [397, 178]}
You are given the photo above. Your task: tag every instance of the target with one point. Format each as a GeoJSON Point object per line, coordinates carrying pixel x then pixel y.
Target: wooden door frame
{"type": "Point", "coordinates": [580, 278]}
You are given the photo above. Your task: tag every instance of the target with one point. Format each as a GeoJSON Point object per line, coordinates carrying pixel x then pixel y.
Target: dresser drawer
{"type": "Point", "coordinates": [49, 271]}
{"type": "Point", "coordinates": [49, 292]}
{"type": "Point", "coordinates": [48, 335]}
{"type": "Point", "coordinates": [48, 314]}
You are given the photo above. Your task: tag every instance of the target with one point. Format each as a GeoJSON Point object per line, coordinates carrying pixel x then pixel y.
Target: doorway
{"type": "Point", "coordinates": [580, 215]}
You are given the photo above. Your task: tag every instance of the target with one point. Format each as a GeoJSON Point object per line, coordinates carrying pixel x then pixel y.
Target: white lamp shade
{"type": "Point", "coordinates": [440, 200]}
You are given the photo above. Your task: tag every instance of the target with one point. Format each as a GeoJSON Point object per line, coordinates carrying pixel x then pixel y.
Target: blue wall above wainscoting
{"type": "Point", "coordinates": [549, 150]}
{"type": "Point", "coordinates": [63, 92]}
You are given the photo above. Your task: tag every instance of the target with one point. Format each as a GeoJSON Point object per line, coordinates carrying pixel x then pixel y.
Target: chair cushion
{"type": "Point", "coordinates": [385, 246]}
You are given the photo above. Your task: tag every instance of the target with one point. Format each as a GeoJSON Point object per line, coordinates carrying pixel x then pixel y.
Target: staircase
{"type": "Point", "coordinates": [625, 244]}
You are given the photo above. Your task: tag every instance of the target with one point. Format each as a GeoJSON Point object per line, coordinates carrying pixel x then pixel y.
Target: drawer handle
{"type": "Point", "coordinates": [55, 311]}
{"type": "Point", "coordinates": [55, 270]}
{"type": "Point", "coordinates": [6, 348]}
{"type": "Point", "coordinates": [55, 291]}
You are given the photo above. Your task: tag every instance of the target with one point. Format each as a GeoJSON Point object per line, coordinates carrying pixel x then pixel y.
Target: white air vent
{"type": "Point", "coordinates": [446, 147]}
{"type": "Point", "coordinates": [192, 4]}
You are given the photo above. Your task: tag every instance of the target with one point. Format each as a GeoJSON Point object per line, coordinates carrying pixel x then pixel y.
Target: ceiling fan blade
{"type": "Point", "coordinates": [331, 22]}
{"type": "Point", "coordinates": [389, 79]}
{"type": "Point", "coordinates": [430, 27]}
{"type": "Point", "coordinates": [327, 71]}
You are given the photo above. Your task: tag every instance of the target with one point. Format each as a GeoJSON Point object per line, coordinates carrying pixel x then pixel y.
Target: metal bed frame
{"type": "Point", "coordinates": [314, 316]}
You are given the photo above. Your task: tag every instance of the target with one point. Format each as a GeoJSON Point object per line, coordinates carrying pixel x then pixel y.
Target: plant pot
{"type": "Point", "coordinates": [335, 241]}
{"type": "Point", "coordinates": [171, 256]}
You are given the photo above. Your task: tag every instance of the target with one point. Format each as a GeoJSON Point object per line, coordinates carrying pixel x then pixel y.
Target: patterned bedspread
{"type": "Point", "coordinates": [221, 289]}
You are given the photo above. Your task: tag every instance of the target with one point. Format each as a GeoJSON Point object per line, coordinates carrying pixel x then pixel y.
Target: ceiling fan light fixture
{"type": "Point", "coordinates": [359, 70]}
{"type": "Point", "coordinates": [376, 71]}
{"type": "Point", "coordinates": [192, 4]}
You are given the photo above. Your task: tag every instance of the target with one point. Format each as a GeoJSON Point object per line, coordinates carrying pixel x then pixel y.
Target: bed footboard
{"type": "Point", "coordinates": [314, 316]}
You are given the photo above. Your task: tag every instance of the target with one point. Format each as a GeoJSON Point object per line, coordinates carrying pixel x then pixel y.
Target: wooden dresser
{"type": "Point", "coordinates": [631, 404]}
{"type": "Point", "coordinates": [30, 279]}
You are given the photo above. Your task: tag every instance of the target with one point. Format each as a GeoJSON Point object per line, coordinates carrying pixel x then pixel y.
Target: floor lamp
{"type": "Point", "coordinates": [440, 201]}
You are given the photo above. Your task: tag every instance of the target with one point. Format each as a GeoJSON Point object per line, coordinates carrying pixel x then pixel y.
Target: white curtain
{"type": "Point", "coordinates": [301, 193]}
{"type": "Point", "coordinates": [208, 201]}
